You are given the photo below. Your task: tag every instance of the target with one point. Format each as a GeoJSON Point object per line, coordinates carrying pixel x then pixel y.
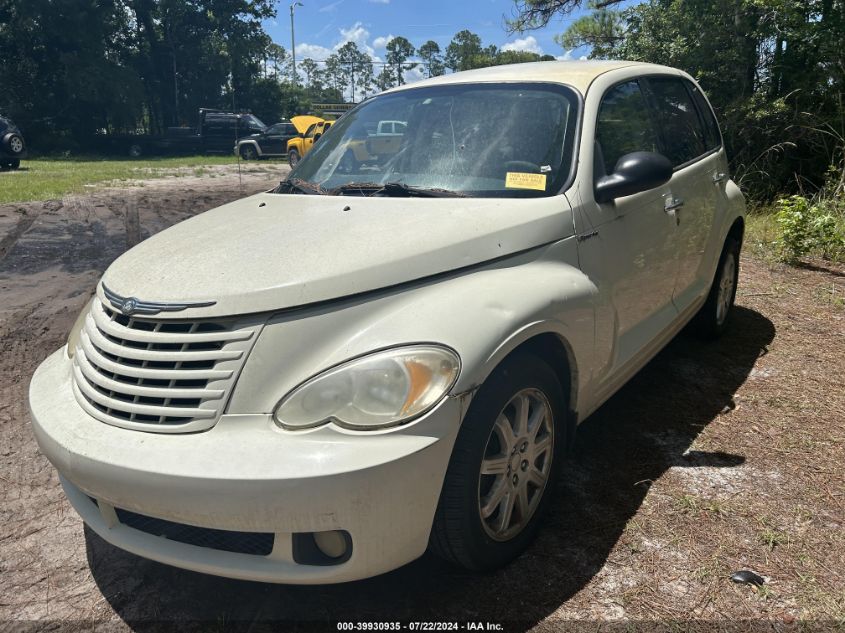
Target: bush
{"type": "Point", "coordinates": [809, 227]}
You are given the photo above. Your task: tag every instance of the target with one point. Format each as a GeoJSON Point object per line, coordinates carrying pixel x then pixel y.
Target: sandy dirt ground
{"type": "Point", "coordinates": [716, 457]}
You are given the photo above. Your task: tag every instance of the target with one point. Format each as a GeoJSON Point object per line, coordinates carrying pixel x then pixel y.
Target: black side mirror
{"type": "Point", "coordinates": [634, 172]}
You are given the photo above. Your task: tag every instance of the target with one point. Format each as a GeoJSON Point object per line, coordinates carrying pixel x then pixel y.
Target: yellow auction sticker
{"type": "Point", "coordinates": [523, 180]}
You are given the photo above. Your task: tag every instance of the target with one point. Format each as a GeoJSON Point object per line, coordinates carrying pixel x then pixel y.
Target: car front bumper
{"type": "Point", "coordinates": [247, 475]}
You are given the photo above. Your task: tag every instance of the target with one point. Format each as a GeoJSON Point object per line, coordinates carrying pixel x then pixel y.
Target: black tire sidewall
{"type": "Point", "coordinates": [248, 153]}
{"type": "Point", "coordinates": [707, 325]}
{"type": "Point", "coordinates": [7, 142]}
{"type": "Point", "coordinates": [481, 552]}
{"type": "Point", "coordinates": [293, 158]}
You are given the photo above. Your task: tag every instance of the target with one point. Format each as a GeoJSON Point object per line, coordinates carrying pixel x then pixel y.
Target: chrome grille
{"type": "Point", "coordinates": [163, 375]}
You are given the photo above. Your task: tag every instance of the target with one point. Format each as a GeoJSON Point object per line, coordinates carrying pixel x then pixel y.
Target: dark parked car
{"type": "Point", "coordinates": [12, 147]}
{"type": "Point", "coordinates": [271, 142]}
{"type": "Point", "coordinates": [215, 133]}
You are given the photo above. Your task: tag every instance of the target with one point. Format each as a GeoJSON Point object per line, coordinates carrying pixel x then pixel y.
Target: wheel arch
{"type": "Point", "coordinates": [737, 230]}
{"type": "Point", "coordinates": [255, 145]}
{"type": "Point", "coordinates": [552, 347]}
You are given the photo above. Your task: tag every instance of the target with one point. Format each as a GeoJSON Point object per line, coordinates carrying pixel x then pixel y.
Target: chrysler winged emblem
{"type": "Point", "coordinates": [133, 305]}
{"type": "Point", "coordinates": [129, 305]}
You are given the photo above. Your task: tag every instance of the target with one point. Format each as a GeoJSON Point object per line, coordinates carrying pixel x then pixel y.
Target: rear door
{"type": "Point", "coordinates": [695, 154]}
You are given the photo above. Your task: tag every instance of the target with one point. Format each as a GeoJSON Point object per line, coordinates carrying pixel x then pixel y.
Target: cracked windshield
{"type": "Point", "coordinates": [460, 140]}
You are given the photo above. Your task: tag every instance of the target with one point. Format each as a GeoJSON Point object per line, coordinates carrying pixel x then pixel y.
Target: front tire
{"type": "Point", "coordinates": [713, 317]}
{"type": "Point", "coordinates": [248, 152]}
{"type": "Point", "coordinates": [503, 466]}
{"type": "Point", "coordinates": [136, 151]}
{"type": "Point", "coordinates": [14, 143]}
{"type": "Point", "coordinates": [293, 158]}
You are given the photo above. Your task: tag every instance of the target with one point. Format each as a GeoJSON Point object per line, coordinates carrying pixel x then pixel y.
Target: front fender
{"type": "Point", "coordinates": [484, 314]}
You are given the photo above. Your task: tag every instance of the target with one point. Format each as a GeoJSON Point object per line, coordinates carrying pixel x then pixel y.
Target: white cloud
{"type": "Point", "coordinates": [358, 34]}
{"type": "Point", "coordinates": [382, 41]}
{"type": "Point", "coordinates": [313, 51]}
{"type": "Point", "coordinates": [415, 74]}
{"type": "Point", "coordinates": [567, 56]}
{"type": "Point", "coordinates": [583, 58]}
{"type": "Point", "coordinates": [528, 44]}
{"type": "Point", "coordinates": [355, 33]}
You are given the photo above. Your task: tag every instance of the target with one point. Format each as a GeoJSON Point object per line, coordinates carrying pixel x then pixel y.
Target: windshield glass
{"type": "Point", "coordinates": [253, 122]}
{"type": "Point", "coordinates": [493, 140]}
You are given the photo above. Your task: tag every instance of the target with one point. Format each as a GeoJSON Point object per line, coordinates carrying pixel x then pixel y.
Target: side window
{"type": "Point", "coordinates": [624, 125]}
{"type": "Point", "coordinates": [219, 126]}
{"type": "Point", "coordinates": [677, 119]}
{"type": "Point", "coordinates": [712, 138]}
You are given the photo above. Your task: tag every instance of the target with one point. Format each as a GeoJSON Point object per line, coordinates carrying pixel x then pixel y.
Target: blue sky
{"type": "Point", "coordinates": [322, 26]}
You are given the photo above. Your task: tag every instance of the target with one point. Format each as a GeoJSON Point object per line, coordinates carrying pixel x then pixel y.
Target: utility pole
{"type": "Point", "coordinates": [293, 43]}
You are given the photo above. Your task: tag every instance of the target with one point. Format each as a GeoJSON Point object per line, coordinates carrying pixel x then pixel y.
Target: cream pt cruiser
{"type": "Point", "coordinates": [317, 383]}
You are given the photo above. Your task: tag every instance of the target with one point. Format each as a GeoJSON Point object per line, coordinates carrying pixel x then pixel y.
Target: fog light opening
{"type": "Point", "coordinates": [332, 544]}
{"type": "Point", "coordinates": [332, 547]}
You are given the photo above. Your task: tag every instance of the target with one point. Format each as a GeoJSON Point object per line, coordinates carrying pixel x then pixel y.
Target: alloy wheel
{"type": "Point", "coordinates": [727, 282]}
{"type": "Point", "coordinates": [516, 464]}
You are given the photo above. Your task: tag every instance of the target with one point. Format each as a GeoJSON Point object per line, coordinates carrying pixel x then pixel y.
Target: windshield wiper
{"type": "Point", "coordinates": [393, 189]}
{"type": "Point", "coordinates": [298, 185]}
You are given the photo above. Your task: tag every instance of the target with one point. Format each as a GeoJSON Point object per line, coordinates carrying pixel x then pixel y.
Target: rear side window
{"type": "Point", "coordinates": [677, 119]}
{"type": "Point", "coordinates": [712, 138]}
{"type": "Point", "coordinates": [624, 124]}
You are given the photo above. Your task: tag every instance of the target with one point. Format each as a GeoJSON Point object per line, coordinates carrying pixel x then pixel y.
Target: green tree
{"type": "Point", "coordinates": [518, 57]}
{"type": "Point", "coordinates": [432, 60]}
{"type": "Point", "coordinates": [334, 73]}
{"type": "Point", "coordinates": [464, 51]}
{"type": "Point", "coordinates": [399, 50]}
{"type": "Point", "coordinates": [603, 31]}
{"type": "Point", "coordinates": [356, 67]}
{"type": "Point", "coordinates": [311, 69]}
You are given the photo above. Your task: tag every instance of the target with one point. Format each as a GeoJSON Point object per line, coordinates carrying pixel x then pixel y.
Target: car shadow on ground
{"type": "Point", "coordinates": [644, 430]}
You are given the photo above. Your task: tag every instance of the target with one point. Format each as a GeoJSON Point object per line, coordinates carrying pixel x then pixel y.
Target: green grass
{"type": "Point", "coordinates": [46, 178]}
{"type": "Point", "coordinates": [762, 233]}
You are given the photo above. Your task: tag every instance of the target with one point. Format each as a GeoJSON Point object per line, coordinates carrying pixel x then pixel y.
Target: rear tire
{"type": "Point", "coordinates": [499, 483]}
{"type": "Point", "coordinates": [293, 158]}
{"type": "Point", "coordinates": [714, 316]}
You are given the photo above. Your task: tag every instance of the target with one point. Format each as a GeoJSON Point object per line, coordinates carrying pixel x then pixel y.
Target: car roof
{"type": "Point", "coordinates": [578, 74]}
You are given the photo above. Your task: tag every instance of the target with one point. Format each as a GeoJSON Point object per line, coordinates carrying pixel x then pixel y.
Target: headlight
{"type": "Point", "coordinates": [73, 337]}
{"type": "Point", "coordinates": [374, 391]}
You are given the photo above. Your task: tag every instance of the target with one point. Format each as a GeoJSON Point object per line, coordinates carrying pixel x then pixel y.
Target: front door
{"type": "Point", "coordinates": [628, 246]}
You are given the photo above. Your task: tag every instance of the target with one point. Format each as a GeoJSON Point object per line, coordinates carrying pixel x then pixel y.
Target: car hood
{"type": "Point", "coordinates": [303, 122]}
{"type": "Point", "coordinates": [272, 251]}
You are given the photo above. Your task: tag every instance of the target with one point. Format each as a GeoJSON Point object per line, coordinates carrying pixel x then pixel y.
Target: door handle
{"type": "Point", "coordinates": [719, 177]}
{"type": "Point", "coordinates": [673, 204]}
